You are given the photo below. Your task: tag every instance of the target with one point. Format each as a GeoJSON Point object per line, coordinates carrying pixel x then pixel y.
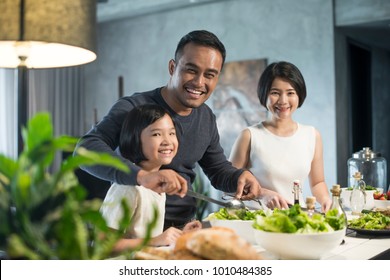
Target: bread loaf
{"type": "Point", "coordinates": [216, 243]}
{"type": "Point", "coordinates": [221, 244]}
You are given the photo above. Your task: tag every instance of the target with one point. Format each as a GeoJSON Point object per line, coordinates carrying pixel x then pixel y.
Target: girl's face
{"type": "Point", "coordinates": [159, 143]}
{"type": "Point", "coordinates": [282, 99]}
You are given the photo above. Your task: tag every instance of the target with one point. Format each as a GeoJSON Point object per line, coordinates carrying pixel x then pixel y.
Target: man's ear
{"type": "Point", "coordinates": [171, 66]}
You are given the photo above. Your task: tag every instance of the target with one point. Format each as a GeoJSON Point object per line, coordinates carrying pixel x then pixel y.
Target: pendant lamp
{"type": "Point", "coordinates": [44, 34]}
{"type": "Point", "coordinates": [47, 33]}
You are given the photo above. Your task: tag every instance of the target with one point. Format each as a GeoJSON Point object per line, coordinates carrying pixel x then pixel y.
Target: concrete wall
{"type": "Point", "coordinates": [367, 23]}
{"type": "Point", "coordinates": [299, 31]}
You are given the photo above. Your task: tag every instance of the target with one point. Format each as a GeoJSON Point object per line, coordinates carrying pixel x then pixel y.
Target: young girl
{"type": "Point", "coordinates": [148, 139]}
{"type": "Point", "coordinates": [280, 150]}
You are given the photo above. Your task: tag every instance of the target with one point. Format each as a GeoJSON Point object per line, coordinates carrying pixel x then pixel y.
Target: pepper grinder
{"type": "Point", "coordinates": [296, 190]}
{"type": "Point", "coordinates": [310, 205]}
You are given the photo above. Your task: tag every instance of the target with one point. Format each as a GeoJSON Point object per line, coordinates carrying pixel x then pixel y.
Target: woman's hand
{"type": "Point", "coordinates": [273, 200]}
{"type": "Point", "coordinates": [325, 206]}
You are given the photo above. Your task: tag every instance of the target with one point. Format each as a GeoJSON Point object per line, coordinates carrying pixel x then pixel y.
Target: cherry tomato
{"type": "Point", "coordinates": [377, 195]}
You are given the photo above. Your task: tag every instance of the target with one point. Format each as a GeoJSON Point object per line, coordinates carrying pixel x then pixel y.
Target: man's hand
{"type": "Point", "coordinates": [247, 187]}
{"type": "Point", "coordinates": [163, 181]}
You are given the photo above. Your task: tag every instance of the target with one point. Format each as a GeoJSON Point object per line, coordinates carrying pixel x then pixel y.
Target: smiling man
{"type": "Point", "coordinates": [194, 74]}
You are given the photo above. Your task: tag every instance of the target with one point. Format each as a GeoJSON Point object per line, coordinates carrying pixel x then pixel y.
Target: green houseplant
{"type": "Point", "coordinates": [200, 187]}
{"type": "Point", "coordinates": [45, 215]}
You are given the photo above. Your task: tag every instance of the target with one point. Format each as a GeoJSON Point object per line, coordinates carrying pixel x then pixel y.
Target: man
{"type": "Point", "coordinates": [194, 74]}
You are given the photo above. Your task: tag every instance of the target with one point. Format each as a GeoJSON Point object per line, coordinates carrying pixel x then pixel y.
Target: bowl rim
{"type": "Point", "coordinates": [377, 190]}
{"type": "Point", "coordinates": [236, 220]}
{"type": "Point", "coordinates": [304, 234]}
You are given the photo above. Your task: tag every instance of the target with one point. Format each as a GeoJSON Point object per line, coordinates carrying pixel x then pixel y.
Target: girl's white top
{"type": "Point", "coordinates": [141, 202]}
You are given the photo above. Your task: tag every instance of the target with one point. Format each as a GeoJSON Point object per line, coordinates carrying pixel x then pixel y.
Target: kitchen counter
{"type": "Point", "coordinates": [361, 247]}
{"type": "Point", "coordinates": [355, 247]}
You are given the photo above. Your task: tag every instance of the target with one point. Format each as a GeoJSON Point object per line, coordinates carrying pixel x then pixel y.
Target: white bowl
{"type": "Point", "coordinates": [381, 203]}
{"type": "Point", "coordinates": [346, 195]}
{"type": "Point", "coordinates": [299, 246]}
{"type": "Point", "coordinates": [241, 227]}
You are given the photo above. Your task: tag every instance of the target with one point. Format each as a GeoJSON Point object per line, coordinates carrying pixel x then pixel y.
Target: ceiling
{"type": "Point", "coordinates": [118, 9]}
{"type": "Point", "coordinates": [373, 33]}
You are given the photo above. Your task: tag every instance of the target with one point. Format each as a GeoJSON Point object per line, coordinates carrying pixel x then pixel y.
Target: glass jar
{"type": "Point", "coordinates": [371, 166]}
{"type": "Point", "coordinates": [337, 203]}
{"type": "Point", "coordinates": [358, 195]}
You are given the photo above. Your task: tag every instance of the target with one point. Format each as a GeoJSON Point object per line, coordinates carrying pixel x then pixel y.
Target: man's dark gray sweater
{"type": "Point", "coordinates": [198, 142]}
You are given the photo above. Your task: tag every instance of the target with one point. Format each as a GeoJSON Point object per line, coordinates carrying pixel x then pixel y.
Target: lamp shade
{"type": "Point", "coordinates": [47, 33]}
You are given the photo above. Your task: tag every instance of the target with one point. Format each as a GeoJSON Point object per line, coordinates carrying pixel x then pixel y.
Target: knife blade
{"type": "Point", "coordinates": [206, 198]}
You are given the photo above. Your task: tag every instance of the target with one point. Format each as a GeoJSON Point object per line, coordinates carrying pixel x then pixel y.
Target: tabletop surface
{"type": "Point", "coordinates": [355, 247]}
{"type": "Point", "coordinates": [361, 247]}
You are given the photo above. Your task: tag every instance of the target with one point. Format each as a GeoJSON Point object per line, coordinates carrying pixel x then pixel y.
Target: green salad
{"type": "Point", "coordinates": [295, 220]}
{"type": "Point", "coordinates": [236, 214]}
{"type": "Point", "coordinates": [371, 220]}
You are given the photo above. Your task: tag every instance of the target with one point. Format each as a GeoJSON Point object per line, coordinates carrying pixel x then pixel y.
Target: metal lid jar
{"type": "Point", "coordinates": [372, 167]}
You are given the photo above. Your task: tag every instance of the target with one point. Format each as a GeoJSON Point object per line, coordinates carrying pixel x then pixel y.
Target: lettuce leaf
{"type": "Point", "coordinates": [295, 220]}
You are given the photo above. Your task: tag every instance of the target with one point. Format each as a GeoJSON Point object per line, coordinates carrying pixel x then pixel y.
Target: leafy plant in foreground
{"type": "Point", "coordinates": [45, 215]}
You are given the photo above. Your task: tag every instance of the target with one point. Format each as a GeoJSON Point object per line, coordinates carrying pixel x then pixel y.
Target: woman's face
{"type": "Point", "coordinates": [159, 143]}
{"type": "Point", "coordinates": [282, 99]}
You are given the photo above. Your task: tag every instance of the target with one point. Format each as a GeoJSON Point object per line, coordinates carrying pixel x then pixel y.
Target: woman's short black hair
{"type": "Point", "coordinates": [203, 38]}
{"type": "Point", "coordinates": [136, 121]}
{"type": "Point", "coordinates": [283, 70]}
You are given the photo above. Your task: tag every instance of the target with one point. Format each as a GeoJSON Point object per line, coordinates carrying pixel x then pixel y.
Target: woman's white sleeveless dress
{"type": "Point", "coordinates": [277, 161]}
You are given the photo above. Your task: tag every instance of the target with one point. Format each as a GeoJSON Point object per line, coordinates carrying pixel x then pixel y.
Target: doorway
{"type": "Point", "coordinates": [360, 97]}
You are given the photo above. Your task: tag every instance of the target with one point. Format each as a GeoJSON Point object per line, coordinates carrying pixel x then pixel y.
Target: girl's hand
{"type": "Point", "coordinates": [192, 226]}
{"type": "Point", "coordinates": [167, 238]}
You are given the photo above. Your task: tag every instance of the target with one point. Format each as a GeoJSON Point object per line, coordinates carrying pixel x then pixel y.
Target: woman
{"type": "Point", "coordinates": [148, 139]}
{"type": "Point", "coordinates": [279, 151]}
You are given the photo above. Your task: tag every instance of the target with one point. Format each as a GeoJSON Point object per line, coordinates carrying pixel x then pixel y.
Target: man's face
{"type": "Point", "coordinates": [193, 78]}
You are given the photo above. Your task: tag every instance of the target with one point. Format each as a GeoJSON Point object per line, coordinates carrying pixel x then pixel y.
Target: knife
{"type": "Point", "coordinates": [206, 198]}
